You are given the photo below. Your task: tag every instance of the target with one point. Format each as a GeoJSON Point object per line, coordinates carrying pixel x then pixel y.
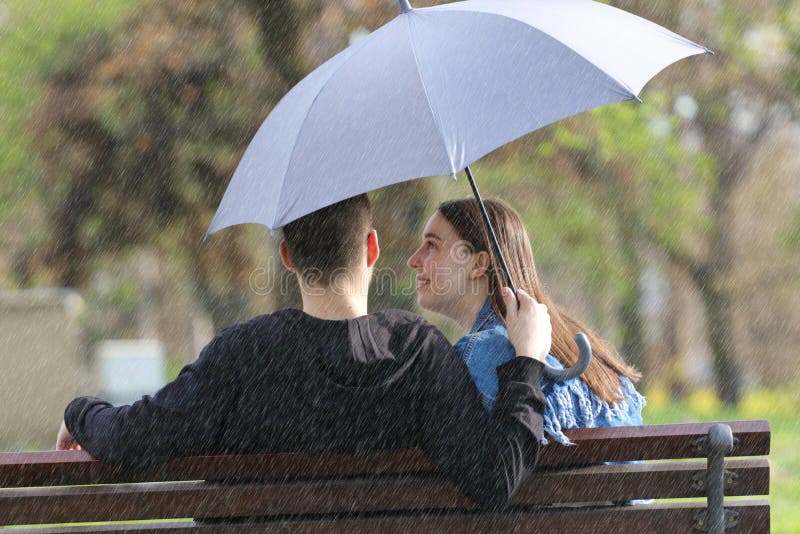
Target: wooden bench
{"type": "Point", "coordinates": [391, 491]}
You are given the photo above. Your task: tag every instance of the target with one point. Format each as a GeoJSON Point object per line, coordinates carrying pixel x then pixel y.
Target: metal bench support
{"type": "Point", "coordinates": [717, 444]}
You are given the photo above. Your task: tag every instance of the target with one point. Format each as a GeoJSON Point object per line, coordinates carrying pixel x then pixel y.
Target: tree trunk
{"type": "Point", "coordinates": [719, 313]}
{"type": "Point", "coordinates": [633, 347]}
{"type": "Point", "coordinates": [711, 276]}
{"type": "Point", "coordinates": [627, 202]}
{"type": "Point", "coordinates": [280, 25]}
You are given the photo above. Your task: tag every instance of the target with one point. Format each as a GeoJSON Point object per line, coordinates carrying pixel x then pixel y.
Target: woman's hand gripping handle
{"type": "Point", "coordinates": [528, 325]}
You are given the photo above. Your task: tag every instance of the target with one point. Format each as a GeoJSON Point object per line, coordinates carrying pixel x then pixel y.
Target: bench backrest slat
{"type": "Point", "coordinates": [652, 442]}
{"type": "Point", "coordinates": [595, 445]}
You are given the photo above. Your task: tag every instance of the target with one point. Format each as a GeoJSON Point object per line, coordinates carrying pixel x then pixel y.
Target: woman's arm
{"type": "Point", "coordinates": [484, 352]}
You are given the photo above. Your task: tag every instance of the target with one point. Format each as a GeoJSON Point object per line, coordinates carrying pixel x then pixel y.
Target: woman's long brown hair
{"type": "Point", "coordinates": [602, 375]}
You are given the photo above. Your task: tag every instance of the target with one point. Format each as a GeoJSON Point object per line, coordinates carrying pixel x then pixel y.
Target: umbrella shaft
{"type": "Point", "coordinates": [492, 234]}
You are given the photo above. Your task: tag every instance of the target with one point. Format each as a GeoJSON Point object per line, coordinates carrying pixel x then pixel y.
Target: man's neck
{"type": "Point", "coordinates": [331, 306]}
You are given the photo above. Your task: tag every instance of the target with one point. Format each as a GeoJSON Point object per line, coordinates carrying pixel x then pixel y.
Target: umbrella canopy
{"type": "Point", "coordinates": [436, 89]}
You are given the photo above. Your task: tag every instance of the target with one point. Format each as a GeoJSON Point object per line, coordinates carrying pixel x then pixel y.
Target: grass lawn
{"type": "Point", "coordinates": [781, 409]}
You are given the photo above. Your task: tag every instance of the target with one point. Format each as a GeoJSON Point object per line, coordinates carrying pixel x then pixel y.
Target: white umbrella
{"type": "Point", "coordinates": [436, 89]}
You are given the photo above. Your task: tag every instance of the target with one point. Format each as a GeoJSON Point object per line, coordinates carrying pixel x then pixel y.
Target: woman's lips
{"type": "Point", "coordinates": [422, 282]}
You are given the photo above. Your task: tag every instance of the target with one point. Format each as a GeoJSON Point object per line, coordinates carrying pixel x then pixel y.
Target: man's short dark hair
{"type": "Point", "coordinates": [330, 239]}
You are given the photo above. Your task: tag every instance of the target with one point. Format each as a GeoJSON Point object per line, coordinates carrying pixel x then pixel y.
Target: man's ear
{"type": "Point", "coordinates": [373, 249]}
{"type": "Point", "coordinates": [480, 265]}
{"type": "Point", "coordinates": [287, 261]}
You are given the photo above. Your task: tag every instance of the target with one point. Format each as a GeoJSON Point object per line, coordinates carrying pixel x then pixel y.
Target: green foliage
{"type": "Point", "coordinates": [139, 131]}
{"type": "Point", "coordinates": [790, 236]}
{"type": "Point", "coordinates": [30, 37]}
{"type": "Point", "coordinates": [666, 183]}
{"type": "Point", "coordinates": [569, 229]}
{"type": "Point", "coordinates": [173, 369]}
{"type": "Point", "coordinates": [792, 72]}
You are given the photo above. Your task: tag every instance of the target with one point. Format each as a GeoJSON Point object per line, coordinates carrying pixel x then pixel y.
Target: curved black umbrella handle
{"type": "Point", "coordinates": [558, 375]}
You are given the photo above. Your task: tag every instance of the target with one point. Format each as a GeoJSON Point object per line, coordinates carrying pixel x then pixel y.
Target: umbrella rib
{"type": "Point", "coordinates": [436, 119]}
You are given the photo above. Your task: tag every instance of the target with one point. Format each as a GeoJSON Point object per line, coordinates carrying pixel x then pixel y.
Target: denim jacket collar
{"type": "Point", "coordinates": [486, 318]}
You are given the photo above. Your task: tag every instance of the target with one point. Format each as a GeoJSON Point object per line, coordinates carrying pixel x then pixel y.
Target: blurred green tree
{"type": "Point", "coordinates": [740, 106]}
{"type": "Point", "coordinates": [29, 38]}
{"type": "Point", "coordinates": [734, 106]}
{"type": "Point", "coordinates": [140, 130]}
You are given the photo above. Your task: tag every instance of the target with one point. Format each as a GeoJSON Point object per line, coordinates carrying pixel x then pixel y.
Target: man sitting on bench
{"type": "Point", "coordinates": [332, 378]}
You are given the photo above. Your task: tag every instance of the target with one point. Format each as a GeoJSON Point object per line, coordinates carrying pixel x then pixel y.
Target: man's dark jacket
{"type": "Point", "coordinates": [291, 382]}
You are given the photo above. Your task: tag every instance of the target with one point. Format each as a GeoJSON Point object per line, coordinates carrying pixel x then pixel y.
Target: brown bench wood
{"type": "Point", "coordinates": [657, 518]}
{"type": "Point", "coordinates": [199, 499]}
{"type": "Point", "coordinates": [302, 491]}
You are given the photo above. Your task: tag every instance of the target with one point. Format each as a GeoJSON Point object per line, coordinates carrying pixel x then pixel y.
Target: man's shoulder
{"type": "Point", "coordinates": [400, 316]}
{"type": "Point", "coordinates": [288, 319]}
{"type": "Point", "coordinates": [255, 328]}
{"type": "Point", "coordinates": [403, 323]}
{"type": "Point", "coordinates": [411, 334]}
{"type": "Point", "coordinates": [254, 324]}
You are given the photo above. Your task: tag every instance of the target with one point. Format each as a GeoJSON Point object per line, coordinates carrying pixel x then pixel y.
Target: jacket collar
{"type": "Point", "coordinates": [486, 318]}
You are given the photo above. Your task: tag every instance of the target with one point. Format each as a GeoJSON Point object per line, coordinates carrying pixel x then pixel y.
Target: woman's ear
{"type": "Point", "coordinates": [373, 249]}
{"type": "Point", "coordinates": [287, 261]}
{"type": "Point", "coordinates": [480, 265]}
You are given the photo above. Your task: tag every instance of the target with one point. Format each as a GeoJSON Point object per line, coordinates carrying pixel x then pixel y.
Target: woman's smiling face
{"type": "Point", "coordinates": [442, 263]}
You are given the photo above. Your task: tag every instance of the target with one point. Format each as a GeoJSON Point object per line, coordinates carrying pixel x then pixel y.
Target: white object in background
{"type": "Point", "coordinates": [131, 368]}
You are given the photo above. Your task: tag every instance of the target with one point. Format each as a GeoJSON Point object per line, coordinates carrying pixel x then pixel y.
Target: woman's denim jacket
{"type": "Point", "coordinates": [569, 404]}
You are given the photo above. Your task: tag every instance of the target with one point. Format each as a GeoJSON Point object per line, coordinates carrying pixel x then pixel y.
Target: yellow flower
{"type": "Point", "coordinates": [658, 397]}
{"type": "Point", "coordinates": [703, 401]}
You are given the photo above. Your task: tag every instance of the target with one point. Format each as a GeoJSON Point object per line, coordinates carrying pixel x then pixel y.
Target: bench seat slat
{"type": "Point", "coordinates": [199, 499]}
{"type": "Point", "coordinates": [593, 445]}
{"type": "Point", "coordinates": [661, 518]}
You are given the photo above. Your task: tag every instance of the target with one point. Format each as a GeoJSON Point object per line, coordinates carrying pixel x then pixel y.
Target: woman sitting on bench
{"type": "Point", "coordinates": [457, 278]}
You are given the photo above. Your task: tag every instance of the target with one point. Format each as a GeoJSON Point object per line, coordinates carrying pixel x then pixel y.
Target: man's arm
{"type": "Point", "coordinates": [186, 416]}
{"type": "Point", "coordinates": [487, 457]}
{"type": "Point", "coordinates": [65, 441]}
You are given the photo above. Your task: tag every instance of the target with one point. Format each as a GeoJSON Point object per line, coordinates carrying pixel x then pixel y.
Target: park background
{"type": "Point", "coordinates": [671, 226]}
